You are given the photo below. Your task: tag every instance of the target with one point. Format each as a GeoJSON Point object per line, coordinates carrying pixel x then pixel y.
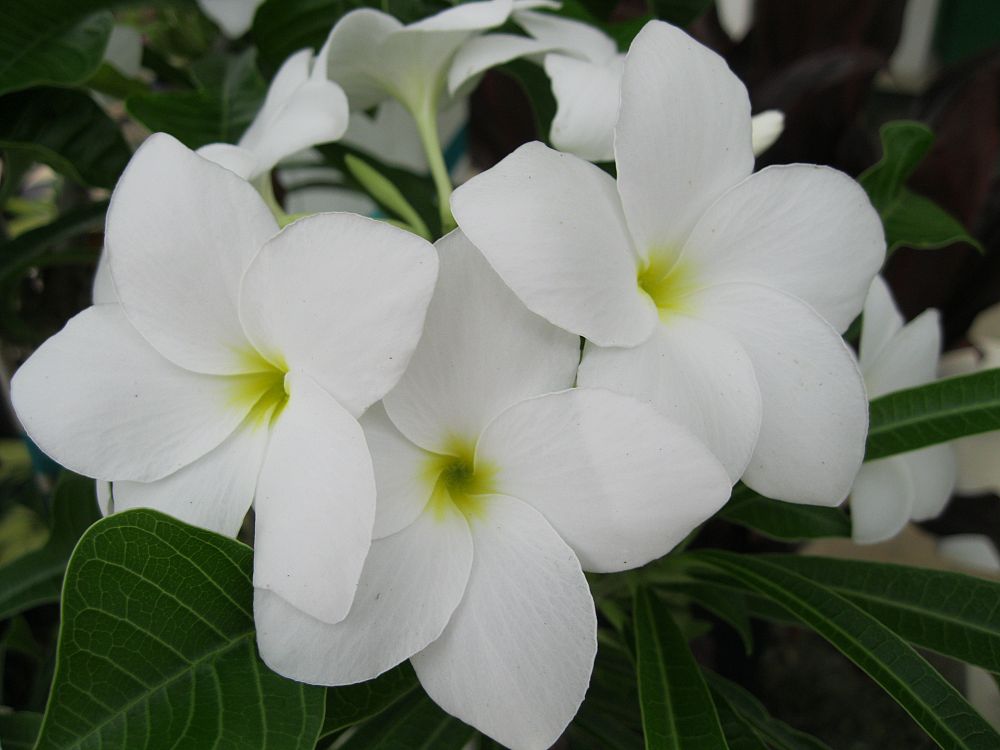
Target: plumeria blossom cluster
{"type": "Point", "coordinates": [439, 441]}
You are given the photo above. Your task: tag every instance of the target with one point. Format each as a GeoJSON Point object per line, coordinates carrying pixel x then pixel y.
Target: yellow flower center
{"type": "Point", "coordinates": [263, 393]}
{"type": "Point", "coordinates": [459, 481]}
{"type": "Point", "coordinates": [667, 281]}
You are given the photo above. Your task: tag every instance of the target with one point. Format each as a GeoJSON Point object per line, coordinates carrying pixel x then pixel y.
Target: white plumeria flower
{"type": "Point", "coordinates": [497, 489]}
{"type": "Point", "coordinates": [302, 109]}
{"type": "Point", "coordinates": [910, 486]}
{"type": "Point", "coordinates": [978, 455]}
{"type": "Point", "coordinates": [716, 294]}
{"type": "Point", "coordinates": [231, 365]}
{"type": "Point", "coordinates": [585, 68]}
{"type": "Point", "coordinates": [234, 17]}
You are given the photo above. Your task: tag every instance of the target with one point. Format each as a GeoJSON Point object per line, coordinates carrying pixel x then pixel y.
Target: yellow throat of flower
{"type": "Point", "coordinates": [262, 393]}
{"type": "Point", "coordinates": [459, 481]}
{"type": "Point", "coordinates": [667, 281]}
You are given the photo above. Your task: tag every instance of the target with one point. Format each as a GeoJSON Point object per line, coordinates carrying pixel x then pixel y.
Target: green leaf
{"type": "Point", "coordinates": [930, 699]}
{"type": "Point", "coordinates": [679, 12]}
{"type": "Point", "coordinates": [282, 27]}
{"type": "Point", "coordinates": [352, 704]}
{"type": "Point", "coordinates": [415, 723]}
{"type": "Point", "coordinates": [951, 613]}
{"type": "Point", "coordinates": [229, 93]}
{"type": "Point", "coordinates": [537, 87]}
{"type": "Point", "coordinates": [908, 219]}
{"type": "Point", "coordinates": [784, 521]}
{"type": "Point", "coordinates": [57, 42]}
{"type": "Point", "coordinates": [750, 723]}
{"type": "Point", "coordinates": [677, 711]}
{"type": "Point", "coordinates": [387, 194]}
{"type": "Point", "coordinates": [157, 641]}
{"type": "Point", "coordinates": [728, 605]}
{"type": "Point", "coordinates": [610, 718]}
{"type": "Point", "coordinates": [67, 130]}
{"type": "Point", "coordinates": [934, 413]}
{"type": "Point", "coordinates": [36, 578]}
{"type": "Point", "coordinates": [19, 730]}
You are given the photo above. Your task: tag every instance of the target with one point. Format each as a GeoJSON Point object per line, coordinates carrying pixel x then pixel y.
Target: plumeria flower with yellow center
{"type": "Point", "coordinates": [303, 108]}
{"type": "Point", "coordinates": [585, 68]}
{"type": "Point", "coordinates": [497, 488]}
{"type": "Point", "coordinates": [910, 486]}
{"type": "Point", "coordinates": [231, 365]}
{"type": "Point", "coordinates": [712, 292]}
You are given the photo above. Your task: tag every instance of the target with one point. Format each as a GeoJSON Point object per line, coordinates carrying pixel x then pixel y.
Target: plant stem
{"type": "Point", "coordinates": [426, 118]}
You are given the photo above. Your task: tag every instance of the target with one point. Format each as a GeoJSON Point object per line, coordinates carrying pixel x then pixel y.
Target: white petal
{"type": "Point", "coordinates": [104, 500]}
{"type": "Point", "coordinates": [352, 55]}
{"type": "Point", "coordinates": [881, 500]}
{"type": "Point", "coordinates": [515, 660]}
{"type": "Point", "coordinates": [985, 329]}
{"type": "Point", "coordinates": [300, 112]}
{"type": "Point", "coordinates": [908, 359]}
{"type": "Point", "coordinates": [410, 586]}
{"type": "Point", "coordinates": [735, 17]}
{"type": "Point", "coordinates": [587, 96]}
{"type": "Point", "coordinates": [181, 231]}
{"type": "Point", "coordinates": [683, 135]}
{"type": "Point", "coordinates": [975, 551]}
{"type": "Point", "coordinates": [236, 159]}
{"type": "Point", "coordinates": [402, 482]}
{"type": "Point", "coordinates": [806, 230]}
{"type": "Point", "coordinates": [815, 411]}
{"type": "Point", "coordinates": [551, 225]}
{"type": "Point", "coordinates": [467, 17]}
{"type": "Point", "coordinates": [213, 492]}
{"type": "Point", "coordinates": [100, 401]}
{"type": "Point", "coordinates": [978, 463]}
{"type": "Point", "coordinates": [933, 470]}
{"type": "Point", "coordinates": [694, 373]}
{"type": "Point", "coordinates": [481, 351]}
{"type": "Point", "coordinates": [103, 291]}
{"type": "Point", "coordinates": [881, 323]}
{"type": "Point", "coordinates": [315, 504]}
{"type": "Point", "coordinates": [568, 35]}
{"type": "Point", "coordinates": [124, 50]}
{"type": "Point", "coordinates": [765, 128]}
{"type": "Point", "coordinates": [233, 16]}
{"type": "Point", "coordinates": [343, 298]}
{"type": "Point", "coordinates": [618, 481]}
{"type": "Point", "coordinates": [479, 54]}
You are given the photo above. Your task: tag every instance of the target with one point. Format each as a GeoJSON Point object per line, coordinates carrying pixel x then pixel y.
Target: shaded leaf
{"type": "Point", "coordinates": [18, 731]}
{"type": "Point", "coordinates": [415, 723]}
{"type": "Point", "coordinates": [157, 641]}
{"type": "Point", "coordinates": [677, 711]}
{"type": "Point", "coordinates": [784, 521]}
{"type": "Point", "coordinates": [352, 704]}
{"type": "Point", "coordinates": [934, 413]}
{"type": "Point", "coordinates": [930, 699]}
{"type": "Point", "coordinates": [282, 27]}
{"type": "Point", "coordinates": [679, 12]}
{"type": "Point", "coordinates": [68, 131]}
{"type": "Point", "coordinates": [728, 605]}
{"type": "Point", "coordinates": [36, 578]}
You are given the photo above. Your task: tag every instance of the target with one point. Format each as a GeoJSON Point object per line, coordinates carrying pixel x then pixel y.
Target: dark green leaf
{"type": "Point", "coordinates": [934, 413]}
{"type": "Point", "coordinates": [679, 12]}
{"type": "Point", "coordinates": [110, 81]}
{"type": "Point", "coordinates": [36, 578]}
{"type": "Point", "coordinates": [229, 92]}
{"type": "Point", "coordinates": [751, 724]}
{"type": "Point", "coordinates": [415, 723]}
{"type": "Point", "coordinates": [19, 730]}
{"type": "Point", "coordinates": [51, 42]}
{"type": "Point", "coordinates": [282, 27]}
{"type": "Point", "coordinates": [951, 613]}
{"type": "Point", "coordinates": [728, 605]}
{"type": "Point", "coordinates": [352, 704]}
{"type": "Point", "coordinates": [930, 699]}
{"type": "Point", "coordinates": [785, 521]}
{"type": "Point", "coordinates": [677, 711]}
{"type": "Point", "coordinates": [609, 718]}
{"type": "Point", "coordinates": [908, 219]}
{"type": "Point", "coordinates": [157, 641]}
{"type": "Point", "coordinates": [67, 130]}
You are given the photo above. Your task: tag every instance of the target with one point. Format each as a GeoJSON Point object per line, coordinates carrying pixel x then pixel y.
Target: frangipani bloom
{"type": "Point", "coordinates": [978, 455]}
{"type": "Point", "coordinates": [233, 367]}
{"type": "Point", "coordinates": [910, 486]}
{"type": "Point", "coordinates": [234, 17]}
{"type": "Point", "coordinates": [497, 488]}
{"type": "Point", "coordinates": [716, 294]}
{"type": "Point", "coordinates": [585, 68]}
{"type": "Point", "coordinates": [302, 109]}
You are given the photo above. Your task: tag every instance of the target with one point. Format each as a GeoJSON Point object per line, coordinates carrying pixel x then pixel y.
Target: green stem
{"type": "Point", "coordinates": [426, 119]}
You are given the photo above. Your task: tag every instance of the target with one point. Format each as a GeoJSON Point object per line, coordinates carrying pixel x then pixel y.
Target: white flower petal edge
{"type": "Point", "coordinates": [881, 500]}
{"type": "Point", "coordinates": [342, 298]}
{"type": "Point", "coordinates": [587, 95]}
{"type": "Point", "coordinates": [621, 484]}
{"type": "Point", "coordinates": [456, 383]}
{"type": "Point", "coordinates": [815, 410]}
{"type": "Point", "coordinates": [552, 227]}
{"type": "Point", "coordinates": [410, 586]}
{"type": "Point", "coordinates": [527, 621]}
{"type": "Point", "coordinates": [315, 504]}
{"type": "Point", "coordinates": [765, 128]}
{"type": "Point", "coordinates": [177, 253]}
{"type": "Point", "coordinates": [99, 400]}
{"type": "Point", "coordinates": [233, 16]}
